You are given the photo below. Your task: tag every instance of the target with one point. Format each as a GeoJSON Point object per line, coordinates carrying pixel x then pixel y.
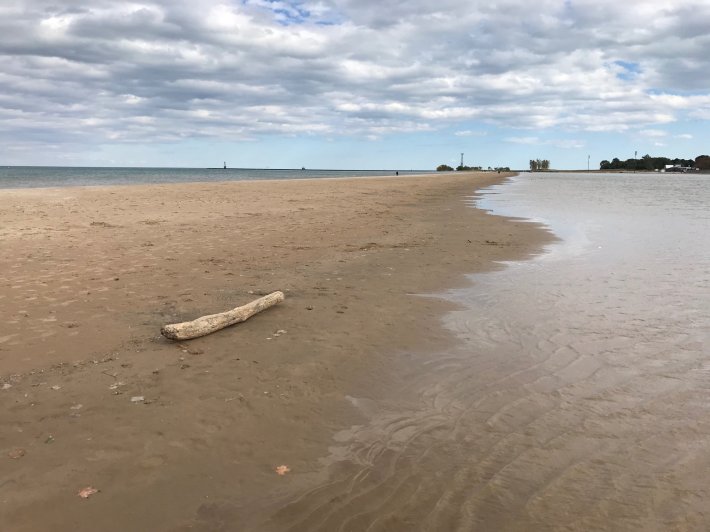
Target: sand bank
{"type": "Point", "coordinates": [88, 276]}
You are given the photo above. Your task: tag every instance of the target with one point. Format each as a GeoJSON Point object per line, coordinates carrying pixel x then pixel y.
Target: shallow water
{"type": "Point", "coordinates": [66, 176]}
{"type": "Point", "coordinates": [579, 398]}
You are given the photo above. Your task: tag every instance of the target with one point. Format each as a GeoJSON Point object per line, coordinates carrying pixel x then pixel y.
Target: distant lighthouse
{"type": "Point", "coordinates": [225, 165]}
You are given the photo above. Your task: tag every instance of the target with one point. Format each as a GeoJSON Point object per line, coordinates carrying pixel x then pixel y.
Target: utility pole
{"type": "Point", "coordinates": [588, 163]}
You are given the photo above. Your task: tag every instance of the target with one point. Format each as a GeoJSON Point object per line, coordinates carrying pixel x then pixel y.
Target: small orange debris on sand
{"type": "Point", "coordinates": [282, 470]}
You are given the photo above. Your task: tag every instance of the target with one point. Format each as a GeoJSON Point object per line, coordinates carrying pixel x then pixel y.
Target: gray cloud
{"type": "Point", "coordinates": [160, 70]}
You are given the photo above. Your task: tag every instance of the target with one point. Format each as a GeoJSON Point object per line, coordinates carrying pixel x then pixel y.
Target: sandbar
{"type": "Point", "coordinates": [188, 436]}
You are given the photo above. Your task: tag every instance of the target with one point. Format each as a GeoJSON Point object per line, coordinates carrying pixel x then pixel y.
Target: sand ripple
{"type": "Point", "coordinates": [577, 401]}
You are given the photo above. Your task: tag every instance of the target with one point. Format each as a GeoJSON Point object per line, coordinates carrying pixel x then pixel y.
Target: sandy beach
{"type": "Point", "coordinates": [89, 275]}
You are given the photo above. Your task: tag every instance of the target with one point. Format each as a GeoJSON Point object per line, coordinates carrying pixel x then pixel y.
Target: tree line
{"type": "Point", "coordinates": [537, 165]}
{"type": "Point", "coordinates": [648, 163]}
{"type": "Point", "coordinates": [460, 168]}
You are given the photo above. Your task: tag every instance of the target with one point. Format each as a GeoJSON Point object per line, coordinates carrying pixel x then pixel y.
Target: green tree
{"type": "Point", "coordinates": [702, 162]}
{"type": "Point", "coordinates": [444, 168]}
{"type": "Point", "coordinates": [646, 163]}
{"type": "Point", "coordinates": [537, 165]}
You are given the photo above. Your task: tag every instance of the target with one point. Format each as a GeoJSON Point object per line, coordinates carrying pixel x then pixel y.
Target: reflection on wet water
{"type": "Point", "coordinates": [580, 399]}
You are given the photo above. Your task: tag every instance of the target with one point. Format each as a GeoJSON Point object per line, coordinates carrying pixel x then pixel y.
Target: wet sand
{"type": "Point", "coordinates": [89, 275]}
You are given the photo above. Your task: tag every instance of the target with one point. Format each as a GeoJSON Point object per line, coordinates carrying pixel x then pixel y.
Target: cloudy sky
{"type": "Point", "coordinates": [352, 83]}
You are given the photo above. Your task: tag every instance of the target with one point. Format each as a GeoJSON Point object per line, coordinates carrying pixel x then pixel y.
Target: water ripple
{"type": "Point", "coordinates": [578, 399]}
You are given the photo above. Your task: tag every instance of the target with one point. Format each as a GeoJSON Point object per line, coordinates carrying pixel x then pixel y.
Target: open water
{"type": "Point", "coordinates": [579, 397]}
{"type": "Point", "coordinates": [64, 176]}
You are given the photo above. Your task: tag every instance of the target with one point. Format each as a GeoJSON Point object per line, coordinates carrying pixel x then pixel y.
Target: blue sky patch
{"type": "Point", "coordinates": [289, 12]}
{"type": "Point", "coordinates": [631, 70]}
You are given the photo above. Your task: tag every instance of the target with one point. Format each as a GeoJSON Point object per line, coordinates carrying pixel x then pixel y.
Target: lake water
{"type": "Point", "coordinates": [63, 176]}
{"type": "Point", "coordinates": [579, 398]}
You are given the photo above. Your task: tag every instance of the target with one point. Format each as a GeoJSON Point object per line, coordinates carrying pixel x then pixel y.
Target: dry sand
{"type": "Point", "coordinates": [89, 275]}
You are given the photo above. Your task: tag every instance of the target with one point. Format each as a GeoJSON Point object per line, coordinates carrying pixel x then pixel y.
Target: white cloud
{"type": "Point", "coordinates": [523, 140]}
{"type": "Point", "coordinates": [469, 133]}
{"type": "Point", "coordinates": [173, 69]}
{"type": "Point", "coordinates": [569, 144]}
{"type": "Point", "coordinates": [653, 133]}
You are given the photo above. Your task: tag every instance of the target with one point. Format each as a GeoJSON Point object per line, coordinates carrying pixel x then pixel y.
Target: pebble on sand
{"type": "Point", "coordinates": [87, 492]}
{"type": "Point", "coordinates": [16, 454]}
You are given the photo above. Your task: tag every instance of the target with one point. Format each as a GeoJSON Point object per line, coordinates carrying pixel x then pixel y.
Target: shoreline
{"type": "Point", "coordinates": [112, 186]}
{"type": "Point", "coordinates": [194, 176]}
{"type": "Point", "coordinates": [94, 273]}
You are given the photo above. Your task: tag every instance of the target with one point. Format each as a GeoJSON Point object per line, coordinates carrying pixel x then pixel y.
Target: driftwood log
{"type": "Point", "coordinates": [215, 322]}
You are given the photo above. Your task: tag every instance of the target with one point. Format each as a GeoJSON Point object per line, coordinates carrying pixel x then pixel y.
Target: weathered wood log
{"type": "Point", "coordinates": [215, 322]}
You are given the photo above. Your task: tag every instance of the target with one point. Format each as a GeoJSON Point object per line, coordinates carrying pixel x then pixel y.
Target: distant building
{"type": "Point", "coordinates": [679, 169]}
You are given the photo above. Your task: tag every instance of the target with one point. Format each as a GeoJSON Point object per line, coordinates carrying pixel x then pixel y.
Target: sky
{"type": "Point", "coordinates": [360, 84]}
